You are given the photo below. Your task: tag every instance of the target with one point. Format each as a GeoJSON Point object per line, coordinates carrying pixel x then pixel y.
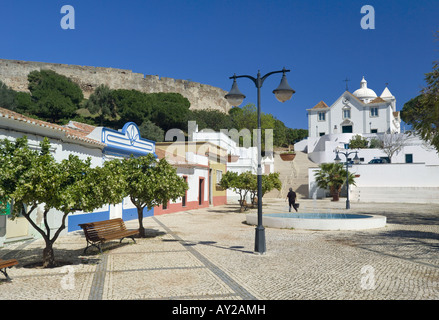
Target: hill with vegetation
{"type": "Point", "coordinates": [55, 98]}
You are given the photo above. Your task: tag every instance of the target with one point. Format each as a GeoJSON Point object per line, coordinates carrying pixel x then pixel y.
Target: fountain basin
{"type": "Point", "coordinates": [319, 221]}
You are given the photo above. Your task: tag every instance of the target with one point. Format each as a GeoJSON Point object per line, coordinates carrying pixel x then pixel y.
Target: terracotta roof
{"type": "Point", "coordinates": [172, 158]}
{"type": "Point", "coordinates": [320, 105]}
{"type": "Point", "coordinates": [69, 133]}
{"type": "Point", "coordinates": [377, 100]}
{"type": "Point", "coordinates": [81, 127]}
{"type": "Point", "coordinates": [175, 160]}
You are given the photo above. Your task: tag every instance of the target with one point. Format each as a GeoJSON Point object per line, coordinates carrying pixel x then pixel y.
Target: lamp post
{"type": "Point", "coordinates": [283, 93]}
{"type": "Point", "coordinates": [356, 161]}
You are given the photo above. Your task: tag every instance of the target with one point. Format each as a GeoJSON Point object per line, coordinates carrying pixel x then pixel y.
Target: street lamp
{"type": "Point", "coordinates": [283, 93]}
{"type": "Point", "coordinates": [356, 161]}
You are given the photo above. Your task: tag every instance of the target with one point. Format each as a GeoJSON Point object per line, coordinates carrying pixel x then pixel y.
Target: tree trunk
{"type": "Point", "coordinates": [140, 217]}
{"type": "Point", "coordinates": [48, 256]}
{"type": "Point", "coordinates": [335, 193]}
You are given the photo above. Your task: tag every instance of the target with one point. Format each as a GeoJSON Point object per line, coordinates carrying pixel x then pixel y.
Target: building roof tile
{"type": "Point", "coordinates": [69, 132]}
{"type": "Point", "coordinates": [320, 105]}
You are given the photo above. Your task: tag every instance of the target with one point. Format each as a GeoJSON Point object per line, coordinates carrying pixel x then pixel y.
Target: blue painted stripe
{"type": "Point", "coordinates": [75, 219]}
{"type": "Point", "coordinates": [131, 213]}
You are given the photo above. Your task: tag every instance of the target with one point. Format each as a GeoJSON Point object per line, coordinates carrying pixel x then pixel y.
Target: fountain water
{"type": "Point", "coordinates": [315, 220]}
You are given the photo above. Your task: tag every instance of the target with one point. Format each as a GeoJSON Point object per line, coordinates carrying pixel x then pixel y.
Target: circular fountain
{"type": "Point", "coordinates": [319, 221]}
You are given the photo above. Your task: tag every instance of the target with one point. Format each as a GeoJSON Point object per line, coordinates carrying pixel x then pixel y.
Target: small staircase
{"type": "Point", "coordinates": [293, 174]}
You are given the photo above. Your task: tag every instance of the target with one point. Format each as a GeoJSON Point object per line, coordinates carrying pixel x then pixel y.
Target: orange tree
{"type": "Point", "coordinates": [149, 183]}
{"type": "Point", "coordinates": [32, 180]}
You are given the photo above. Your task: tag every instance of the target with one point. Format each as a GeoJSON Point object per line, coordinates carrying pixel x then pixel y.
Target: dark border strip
{"type": "Point", "coordinates": [232, 284]}
{"type": "Point", "coordinates": [97, 285]}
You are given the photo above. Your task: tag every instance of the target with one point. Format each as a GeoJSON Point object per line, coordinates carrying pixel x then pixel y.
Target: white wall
{"type": "Point", "coordinates": [403, 182]}
{"type": "Point", "coordinates": [321, 149]}
{"type": "Point", "coordinates": [60, 147]}
{"type": "Point", "coordinates": [362, 121]}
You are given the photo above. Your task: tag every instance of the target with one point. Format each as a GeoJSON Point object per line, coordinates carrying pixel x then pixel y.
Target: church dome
{"type": "Point", "coordinates": [364, 93]}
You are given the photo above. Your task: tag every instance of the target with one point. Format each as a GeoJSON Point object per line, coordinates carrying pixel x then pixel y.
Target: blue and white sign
{"type": "Point", "coordinates": [127, 141]}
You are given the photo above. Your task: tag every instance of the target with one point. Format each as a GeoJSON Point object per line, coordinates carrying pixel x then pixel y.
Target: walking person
{"type": "Point", "coordinates": [291, 196]}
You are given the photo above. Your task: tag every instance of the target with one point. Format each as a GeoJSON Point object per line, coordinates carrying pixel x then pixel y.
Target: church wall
{"type": "Point", "coordinates": [317, 127]}
{"type": "Point", "coordinates": [360, 118]}
{"type": "Point", "coordinates": [379, 123]}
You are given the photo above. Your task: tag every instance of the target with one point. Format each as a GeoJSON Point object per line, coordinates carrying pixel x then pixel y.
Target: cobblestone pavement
{"type": "Point", "coordinates": [208, 254]}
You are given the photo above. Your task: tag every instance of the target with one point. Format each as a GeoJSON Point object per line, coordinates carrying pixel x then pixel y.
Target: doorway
{"type": "Point", "coordinates": [183, 199]}
{"type": "Point", "coordinates": [201, 191]}
{"type": "Point", "coordinates": [210, 187]}
{"type": "Point", "coordinates": [346, 129]}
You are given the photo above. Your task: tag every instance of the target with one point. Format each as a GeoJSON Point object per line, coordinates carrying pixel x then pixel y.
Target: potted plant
{"type": "Point", "coordinates": [288, 155]}
{"type": "Point", "coordinates": [332, 176]}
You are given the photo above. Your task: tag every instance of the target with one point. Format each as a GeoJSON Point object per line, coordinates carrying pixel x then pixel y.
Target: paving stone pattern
{"type": "Point", "coordinates": [208, 254]}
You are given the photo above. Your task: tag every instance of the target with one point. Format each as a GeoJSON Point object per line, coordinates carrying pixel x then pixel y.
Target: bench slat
{"type": "Point", "coordinates": [8, 263]}
{"type": "Point", "coordinates": [102, 231]}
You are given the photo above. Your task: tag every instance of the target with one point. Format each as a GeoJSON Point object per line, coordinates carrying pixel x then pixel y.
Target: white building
{"type": "Point", "coordinates": [247, 157]}
{"type": "Point", "coordinates": [358, 112]}
{"type": "Point", "coordinates": [63, 142]}
{"type": "Point", "coordinates": [364, 113]}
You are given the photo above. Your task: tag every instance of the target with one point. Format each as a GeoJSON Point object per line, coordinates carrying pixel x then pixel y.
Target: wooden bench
{"type": "Point", "coordinates": [4, 264]}
{"type": "Point", "coordinates": [99, 232]}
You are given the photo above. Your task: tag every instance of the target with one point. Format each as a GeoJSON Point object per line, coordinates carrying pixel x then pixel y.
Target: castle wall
{"type": "Point", "coordinates": [14, 74]}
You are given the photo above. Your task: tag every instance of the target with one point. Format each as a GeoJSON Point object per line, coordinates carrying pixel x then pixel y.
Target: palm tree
{"type": "Point", "coordinates": [332, 176]}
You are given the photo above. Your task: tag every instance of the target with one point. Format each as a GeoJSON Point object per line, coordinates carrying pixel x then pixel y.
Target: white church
{"type": "Point", "coordinates": [359, 112]}
{"type": "Point", "coordinates": [411, 175]}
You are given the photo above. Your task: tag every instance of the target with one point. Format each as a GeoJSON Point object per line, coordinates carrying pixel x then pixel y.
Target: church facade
{"type": "Point", "coordinates": [408, 175]}
{"type": "Point", "coordinates": [359, 112]}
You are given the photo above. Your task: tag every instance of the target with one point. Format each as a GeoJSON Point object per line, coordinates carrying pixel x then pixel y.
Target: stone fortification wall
{"type": "Point", "coordinates": [14, 74]}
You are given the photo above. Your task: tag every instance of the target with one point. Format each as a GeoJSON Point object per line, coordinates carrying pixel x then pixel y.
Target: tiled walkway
{"type": "Point", "coordinates": [208, 254]}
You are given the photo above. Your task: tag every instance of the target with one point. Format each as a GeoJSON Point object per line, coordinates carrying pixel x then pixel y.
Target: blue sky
{"type": "Point", "coordinates": [322, 42]}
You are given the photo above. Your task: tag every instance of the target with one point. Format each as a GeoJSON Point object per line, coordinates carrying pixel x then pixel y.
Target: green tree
{"type": "Point", "coordinates": [247, 118]}
{"type": "Point", "coordinates": [101, 102]}
{"type": "Point", "coordinates": [150, 183]}
{"type": "Point", "coordinates": [280, 133]}
{"type": "Point", "coordinates": [132, 106]}
{"type": "Point", "coordinates": [169, 110]}
{"type": "Point", "coordinates": [296, 135]}
{"type": "Point", "coordinates": [375, 143]}
{"type": "Point", "coordinates": [246, 182]}
{"type": "Point", "coordinates": [33, 179]}
{"type": "Point", "coordinates": [239, 183]}
{"type": "Point", "coordinates": [269, 182]}
{"type": "Point", "coordinates": [211, 119]}
{"type": "Point", "coordinates": [358, 142]}
{"type": "Point", "coordinates": [150, 131]}
{"type": "Point", "coordinates": [54, 96]}
{"type": "Point", "coordinates": [422, 112]}
{"type": "Point", "coordinates": [24, 103]}
{"type": "Point", "coordinates": [7, 97]}
{"type": "Point", "coordinates": [332, 176]}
